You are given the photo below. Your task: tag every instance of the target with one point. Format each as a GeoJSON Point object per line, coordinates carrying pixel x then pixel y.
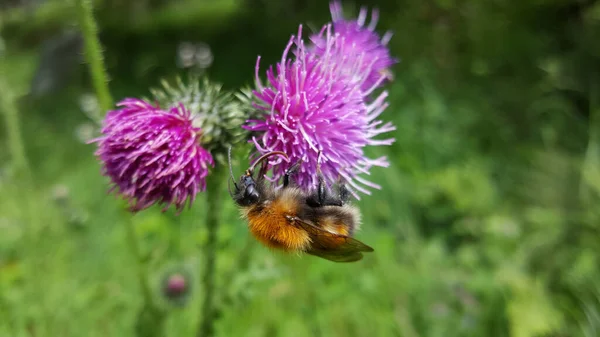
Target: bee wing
{"type": "Point", "coordinates": [342, 254]}
{"type": "Point", "coordinates": [332, 246]}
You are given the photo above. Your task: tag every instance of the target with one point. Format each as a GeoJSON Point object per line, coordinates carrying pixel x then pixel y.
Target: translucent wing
{"type": "Point", "coordinates": [331, 246]}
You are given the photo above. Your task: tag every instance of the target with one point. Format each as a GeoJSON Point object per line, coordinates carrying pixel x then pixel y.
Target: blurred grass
{"type": "Point", "coordinates": [478, 231]}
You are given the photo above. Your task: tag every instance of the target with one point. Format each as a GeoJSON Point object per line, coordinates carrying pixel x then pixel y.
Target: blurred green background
{"type": "Point", "coordinates": [487, 224]}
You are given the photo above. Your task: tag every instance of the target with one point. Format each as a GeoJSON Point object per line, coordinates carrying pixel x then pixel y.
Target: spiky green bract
{"type": "Point", "coordinates": [217, 112]}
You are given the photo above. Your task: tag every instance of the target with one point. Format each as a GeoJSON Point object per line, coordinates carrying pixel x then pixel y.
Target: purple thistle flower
{"type": "Point", "coordinates": [313, 103]}
{"type": "Point", "coordinates": [153, 156]}
{"type": "Point", "coordinates": [362, 43]}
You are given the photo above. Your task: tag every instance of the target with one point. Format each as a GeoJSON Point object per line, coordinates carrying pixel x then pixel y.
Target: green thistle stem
{"type": "Point", "coordinates": [142, 271]}
{"type": "Point", "coordinates": [590, 181]}
{"type": "Point", "coordinates": [25, 193]}
{"type": "Point", "coordinates": [93, 53]}
{"type": "Point", "coordinates": [13, 132]}
{"type": "Point", "coordinates": [150, 318]}
{"type": "Point", "coordinates": [214, 188]}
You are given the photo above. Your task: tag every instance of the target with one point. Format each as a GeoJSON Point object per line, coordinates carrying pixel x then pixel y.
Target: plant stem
{"type": "Point", "coordinates": [93, 53]}
{"type": "Point", "coordinates": [150, 318]}
{"type": "Point", "coordinates": [214, 189]}
{"type": "Point", "coordinates": [26, 195]}
{"type": "Point", "coordinates": [590, 180]}
{"type": "Point", "coordinates": [13, 131]}
{"type": "Point", "coordinates": [142, 271]}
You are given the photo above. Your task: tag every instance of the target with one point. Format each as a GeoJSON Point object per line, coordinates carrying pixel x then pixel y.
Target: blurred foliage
{"type": "Point", "coordinates": [487, 224]}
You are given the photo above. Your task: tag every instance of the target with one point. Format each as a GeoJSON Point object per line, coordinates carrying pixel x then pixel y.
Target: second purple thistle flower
{"type": "Point", "coordinates": [361, 41]}
{"type": "Point", "coordinates": [153, 155]}
{"type": "Point", "coordinates": [314, 103]}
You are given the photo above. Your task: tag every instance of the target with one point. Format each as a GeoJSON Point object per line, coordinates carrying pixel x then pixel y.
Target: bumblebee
{"type": "Point", "coordinates": [320, 223]}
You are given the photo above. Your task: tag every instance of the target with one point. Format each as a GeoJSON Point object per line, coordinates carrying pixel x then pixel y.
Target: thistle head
{"type": "Point", "coordinates": [314, 109]}
{"type": "Point", "coordinates": [153, 156]}
{"type": "Point", "coordinates": [360, 41]}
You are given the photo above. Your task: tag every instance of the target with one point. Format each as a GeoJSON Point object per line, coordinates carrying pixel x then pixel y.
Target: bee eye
{"type": "Point", "coordinates": [253, 197]}
{"type": "Point", "coordinates": [251, 194]}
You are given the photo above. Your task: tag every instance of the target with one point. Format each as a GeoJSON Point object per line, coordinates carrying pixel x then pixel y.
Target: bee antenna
{"type": "Point", "coordinates": [229, 187]}
{"type": "Point", "coordinates": [230, 173]}
{"type": "Point", "coordinates": [229, 161]}
{"type": "Point", "coordinates": [265, 156]}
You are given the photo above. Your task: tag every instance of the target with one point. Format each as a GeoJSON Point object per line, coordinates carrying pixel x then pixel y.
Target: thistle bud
{"type": "Point", "coordinates": [176, 287]}
{"type": "Point", "coordinates": [218, 113]}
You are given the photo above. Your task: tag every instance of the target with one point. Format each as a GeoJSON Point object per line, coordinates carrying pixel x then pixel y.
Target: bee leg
{"type": "Point", "coordinates": [288, 172]}
{"type": "Point", "coordinates": [263, 170]}
{"type": "Point", "coordinates": [322, 196]}
{"type": "Point", "coordinates": [344, 194]}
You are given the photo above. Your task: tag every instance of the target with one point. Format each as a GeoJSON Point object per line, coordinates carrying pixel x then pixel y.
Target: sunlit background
{"type": "Point", "coordinates": [487, 223]}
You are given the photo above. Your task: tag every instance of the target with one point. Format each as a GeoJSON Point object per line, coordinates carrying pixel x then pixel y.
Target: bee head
{"type": "Point", "coordinates": [247, 191]}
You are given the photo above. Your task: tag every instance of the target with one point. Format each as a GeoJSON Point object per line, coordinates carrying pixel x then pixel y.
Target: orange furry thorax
{"type": "Point", "coordinates": [268, 222]}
